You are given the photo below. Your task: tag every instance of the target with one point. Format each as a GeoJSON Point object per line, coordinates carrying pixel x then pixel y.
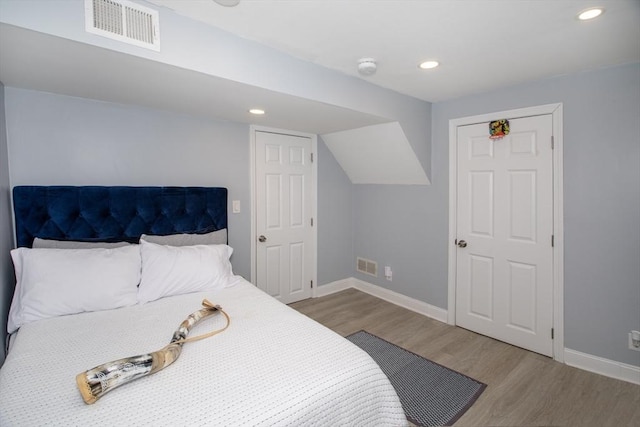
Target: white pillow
{"type": "Point", "coordinates": [173, 270]}
{"type": "Point", "coordinates": [56, 282]}
{"type": "Point", "coordinates": [218, 237]}
{"type": "Point", "coordinates": [73, 244]}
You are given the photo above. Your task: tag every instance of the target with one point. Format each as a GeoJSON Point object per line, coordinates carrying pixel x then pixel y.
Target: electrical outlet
{"type": "Point", "coordinates": [388, 274]}
{"type": "Point", "coordinates": [634, 336]}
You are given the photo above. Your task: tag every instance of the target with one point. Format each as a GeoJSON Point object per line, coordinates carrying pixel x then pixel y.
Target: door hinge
{"type": "Point", "coordinates": [312, 284]}
{"type": "Point", "coordinates": [455, 242]}
{"type": "Point", "coordinates": [552, 241]}
{"type": "Point", "coordinates": [551, 333]}
{"type": "Point", "coordinates": [552, 142]}
{"type": "Point", "coordinates": [312, 222]}
{"type": "Point", "coordinates": [311, 157]}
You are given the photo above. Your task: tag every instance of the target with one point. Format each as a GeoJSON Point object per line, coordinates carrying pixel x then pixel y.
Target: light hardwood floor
{"type": "Point", "coordinates": [523, 388]}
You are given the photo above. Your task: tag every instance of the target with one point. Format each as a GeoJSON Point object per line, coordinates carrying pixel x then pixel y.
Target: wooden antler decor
{"type": "Point", "coordinates": [95, 382]}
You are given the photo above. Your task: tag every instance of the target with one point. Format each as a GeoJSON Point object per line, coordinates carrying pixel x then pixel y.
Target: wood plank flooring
{"type": "Point", "coordinates": [523, 388]}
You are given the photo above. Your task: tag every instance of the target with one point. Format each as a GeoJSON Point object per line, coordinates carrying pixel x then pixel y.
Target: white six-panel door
{"type": "Point", "coordinates": [283, 215]}
{"type": "Point", "coordinates": [504, 278]}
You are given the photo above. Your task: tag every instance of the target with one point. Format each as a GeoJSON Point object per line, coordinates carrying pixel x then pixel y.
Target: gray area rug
{"type": "Point", "coordinates": [431, 395]}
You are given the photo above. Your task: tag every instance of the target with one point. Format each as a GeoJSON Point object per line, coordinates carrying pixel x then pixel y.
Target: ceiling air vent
{"type": "Point", "coordinates": [124, 21]}
{"type": "Point", "coordinates": [367, 266]}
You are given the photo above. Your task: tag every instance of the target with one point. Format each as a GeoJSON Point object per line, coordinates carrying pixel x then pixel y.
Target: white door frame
{"type": "Point", "coordinates": [558, 228]}
{"type": "Point", "coordinates": [314, 199]}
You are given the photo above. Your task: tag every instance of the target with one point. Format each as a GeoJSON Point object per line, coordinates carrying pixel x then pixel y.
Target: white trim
{"type": "Point", "coordinates": [587, 362]}
{"type": "Point", "coordinates": [314, 213]}
{"type": "Point", "coordinates": [602, 366]}
{"type": "Point", "coordinates": [314, 198]}
{"type": "Point", "coordinates": [409, 303]}
{"type": "Point", "coordinates": [453, 203]}
{"type": "Point", "coordinates": [252, 193]}
{"type": "Point", "coordinates": [333, 287]}
{"type": "Point", "coordinates": [558, 226]}
{"type": "Point", "coordinates": [558, 234]}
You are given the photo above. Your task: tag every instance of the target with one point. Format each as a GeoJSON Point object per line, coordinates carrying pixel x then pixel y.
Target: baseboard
{"type": "Point", "coordinates": [587, 362]}
{"type": "Point", "coordinates": [409, 303]}
{"type": "Point", "coordinates": [602, 366]}
{"type": "Point", "coordinates": [332, 288]}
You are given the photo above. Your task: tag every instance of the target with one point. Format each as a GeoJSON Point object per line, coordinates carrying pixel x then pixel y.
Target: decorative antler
{"type": "Point", "coordinates": [95, 382]}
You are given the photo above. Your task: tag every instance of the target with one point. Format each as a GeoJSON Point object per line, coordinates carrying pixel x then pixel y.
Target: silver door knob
{"type": "Point", "coordinates": [262, 239]}
{"type": "Point", "coordinates": [462, 244]}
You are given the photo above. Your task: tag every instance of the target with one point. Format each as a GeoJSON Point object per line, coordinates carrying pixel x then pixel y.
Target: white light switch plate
{"type": "Point", "coordinates": [236, 206]}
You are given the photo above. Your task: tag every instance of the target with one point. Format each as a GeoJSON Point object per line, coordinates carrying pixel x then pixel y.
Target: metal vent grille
{"type": "Point", "coordinates": [124, 21]}
{"type": "Point", "coordinates": [367, 266]}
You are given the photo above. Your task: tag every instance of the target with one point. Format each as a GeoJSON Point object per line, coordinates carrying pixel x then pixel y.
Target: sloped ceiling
{"type": "Point", "coordinates": [378, 154]}
{"type": "Point", "coordinates": [202, 70]}
{"type": "Point", "coordinates": [37, 61]}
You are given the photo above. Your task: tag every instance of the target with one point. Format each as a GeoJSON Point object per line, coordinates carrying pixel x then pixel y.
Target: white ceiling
{"type": "Point", "coordinates": [481, 44]}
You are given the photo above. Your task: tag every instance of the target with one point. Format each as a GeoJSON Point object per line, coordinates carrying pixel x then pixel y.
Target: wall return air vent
{"type": "Point", "coordinates": [124, 21]}
{"type": "Point", "coordinates": [367, 266]}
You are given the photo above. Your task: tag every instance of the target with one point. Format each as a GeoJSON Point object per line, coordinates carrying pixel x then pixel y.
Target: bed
{"type": "Point", "coordinates": [272, 366]}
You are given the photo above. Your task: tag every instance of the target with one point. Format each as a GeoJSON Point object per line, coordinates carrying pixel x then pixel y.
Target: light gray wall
{"type": "Point", "coordinates": [601, 200]}
{"type": "Point", "coordinates": [60, 140]}
{"type": "Point", "coordinates": [335, 230]}
{"type": "Point", "coordinates": [395, 224]}
{"type": "Point", "coordinates": [7, 282]}
{"type": "Point", "coordinates": [64, 140]}
{"type": "Point", "coordinates": [194, 45]}
{"type": "Point", "coordinates": [399, 226]}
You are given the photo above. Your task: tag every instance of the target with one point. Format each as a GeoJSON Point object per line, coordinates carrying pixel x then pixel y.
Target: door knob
{"type": "Point", "coordinates": [262, 238]}
{"type": "Point", "coordinates": [462, 244]}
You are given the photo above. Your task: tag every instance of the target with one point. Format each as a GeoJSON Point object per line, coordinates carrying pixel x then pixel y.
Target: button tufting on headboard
{"type": "Point", "coordinates": [94, 213]}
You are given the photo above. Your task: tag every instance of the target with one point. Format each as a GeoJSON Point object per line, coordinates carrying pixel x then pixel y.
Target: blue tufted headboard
{"type": "Point", "coordinates": [94, 213]}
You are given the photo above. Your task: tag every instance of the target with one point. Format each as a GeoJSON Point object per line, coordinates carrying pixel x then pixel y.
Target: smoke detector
{"type": "Point", "coordinates": [367, 66]}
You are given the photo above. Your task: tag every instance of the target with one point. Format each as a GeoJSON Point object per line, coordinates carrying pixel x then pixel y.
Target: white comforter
{"type": "Point", "coordinates": [273, 366]}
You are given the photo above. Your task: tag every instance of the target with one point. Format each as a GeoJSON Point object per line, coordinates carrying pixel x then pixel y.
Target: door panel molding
{"type": "Point", "coordinates": [312, 247]}
{"type": "Point", "coordinates": [558, 228]}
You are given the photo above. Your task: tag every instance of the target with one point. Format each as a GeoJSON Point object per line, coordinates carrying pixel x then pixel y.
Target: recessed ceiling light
{"type": "Point", "coordinates": [426, 65]}
{"type": "Point", "coordinates": [257, 111]}
{"type": "Point", "coordinates": [587, 14]}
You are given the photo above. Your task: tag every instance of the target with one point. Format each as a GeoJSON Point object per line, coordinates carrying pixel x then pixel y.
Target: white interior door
{"type": "Point", "coordinates": [283, 188]}
{"type": "Point", "coordinates": [504, 277]}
